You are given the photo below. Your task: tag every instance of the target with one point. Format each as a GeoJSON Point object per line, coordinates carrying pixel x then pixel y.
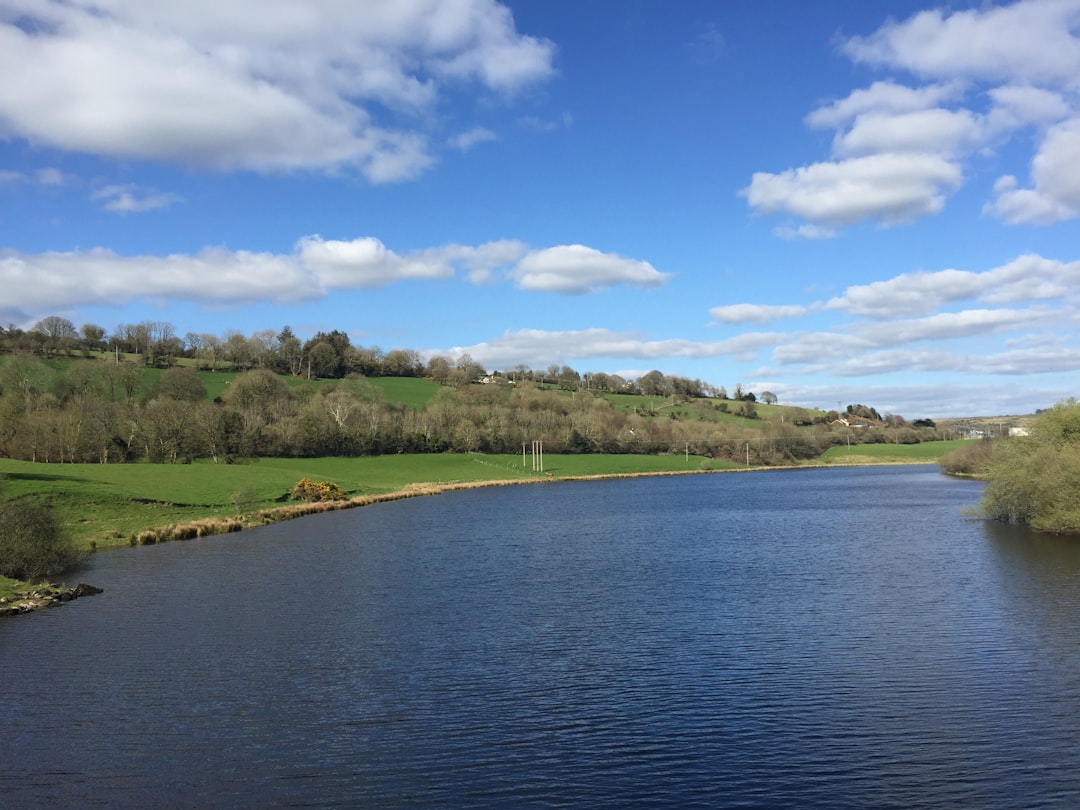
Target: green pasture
{"type": "Point", "coordinates": [881, 453]}
{"type": "Point", "coordinates": [107, 503]}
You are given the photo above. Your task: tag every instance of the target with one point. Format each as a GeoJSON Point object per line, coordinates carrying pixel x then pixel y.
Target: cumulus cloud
{"type": "Point", "coordinates": [892, 188]}
{"type": "Point", "coordinates": [755, 313]}
{"type": "Point", "coordinates": [992, 72]}
{"type": "Point", "coordinates": [1055, 172]}
{"type": "Point", "coordinates": [1033, 40]}
{"type": "Point", "coordinates": [49, 281]}
{"type": "Point", "coordinates": [130, 198]}
{"type": "Point", "coordinates": [271, 85]}
{"type": "Point", "coordinates": [366, 262]}
{"type": "Point", "coordinates": [576, 269]}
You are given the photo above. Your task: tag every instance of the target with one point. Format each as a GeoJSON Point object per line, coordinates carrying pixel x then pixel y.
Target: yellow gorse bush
{"type": "Point", "coordinates": [317, 491]}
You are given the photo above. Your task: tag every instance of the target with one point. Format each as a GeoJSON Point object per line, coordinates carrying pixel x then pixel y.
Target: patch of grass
{"type": "Point", "coordinates": [925, 452]}
{"type": "Point", "coordinates": [106, 505]}
{"type": "Point", "coordinates": [9, 586]}
{"type": "Point", "coordinates": [412, 392]}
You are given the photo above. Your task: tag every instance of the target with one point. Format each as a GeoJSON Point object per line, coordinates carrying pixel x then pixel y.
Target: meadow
{"type": "Point", "coordinates": [926, 452]}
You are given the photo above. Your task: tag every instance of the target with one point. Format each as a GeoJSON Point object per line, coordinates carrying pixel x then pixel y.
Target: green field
{"type": "Point", "coordinates": [882, 453]}
{"type": "Point", "coordinates": [108, 503]}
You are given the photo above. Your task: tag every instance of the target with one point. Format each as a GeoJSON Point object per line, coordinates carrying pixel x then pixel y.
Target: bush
{"type": "Point", "coordinates": [1035, 480]}
{"type": "Point", "coordinates": [971, 459]}
{"type": "Point", "coordinates": [317, 491]}
{"type": "Point", "coordinates": [33, 544]}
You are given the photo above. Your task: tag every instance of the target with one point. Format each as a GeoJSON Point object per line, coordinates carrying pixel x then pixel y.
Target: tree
{"type": "Point", "coordinates": [238, 351]}
{"type": "Point", "coordinates": [466, 370]}
{"type": "Point", "coordinates": [653, 384]}
{"type": "Point", "coordinates": [1034, 479]}
{"type": "Point", "coordinates": [438, 368]}
{"type": "Point", "coordinates": [209, 351]}
{"type": "Point", "coordinates": [55, 327]}
{"type": "Point", "coordinates": [33, 543]}
{"type": "Point", "coordinates": [54, 334]}
{"type": "Point", "coordinates": [402, 363]}
{"type": "Point", "coordinates": [330, 363]}
{"type": "Point", "coordinates": [323, 361]}
{"type": "Point", "coordinates": [768, 397]}
{"type": "Point", "coordinates": [290, 352]}
{"type": "Point", "coordinates": [93, 336]}
{"type": "Point", "coordinates": [182, 384]}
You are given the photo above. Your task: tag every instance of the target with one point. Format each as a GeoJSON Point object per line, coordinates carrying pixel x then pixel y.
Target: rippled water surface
{"type": "Point", "coordinates": [820, 638]}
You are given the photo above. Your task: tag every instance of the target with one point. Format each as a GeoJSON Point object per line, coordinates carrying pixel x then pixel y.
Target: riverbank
{"type": "Point", "coordinates": [41, 596]}
{"type": "Point", "coordinates": [84, 490]}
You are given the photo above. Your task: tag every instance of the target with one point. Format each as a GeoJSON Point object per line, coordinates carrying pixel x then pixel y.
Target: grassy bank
{"type": "Point", "coordinates": [113, 505]}
{"type": "Point", "coordinates": [106, 504]}
{"type": "Point", "coordinates": [926, 453]}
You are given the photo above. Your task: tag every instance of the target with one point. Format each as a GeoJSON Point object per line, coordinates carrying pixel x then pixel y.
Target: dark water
{"type": "Point", "coordinates": [826, 638]}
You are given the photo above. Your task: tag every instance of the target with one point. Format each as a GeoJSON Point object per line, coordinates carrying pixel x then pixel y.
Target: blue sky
{"type": "Point", "coordinates": [834, 201]}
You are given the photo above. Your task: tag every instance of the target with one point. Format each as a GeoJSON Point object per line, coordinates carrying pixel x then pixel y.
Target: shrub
{"type": "Point", "coordinates": [971, 459]}
{"type": "Point", "coordinates": [33, 544]}
{"type": "Point", "coordinates": [1035, 480]}
{"type": "Point", "coordinates": [317, 491]}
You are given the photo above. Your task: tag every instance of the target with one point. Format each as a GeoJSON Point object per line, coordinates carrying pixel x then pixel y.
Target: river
{"type": "Point", "coordinates": [807, 638]}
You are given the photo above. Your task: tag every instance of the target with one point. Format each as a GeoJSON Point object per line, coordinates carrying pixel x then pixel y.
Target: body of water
{"type": "Point", "coordinates": [818, 638]}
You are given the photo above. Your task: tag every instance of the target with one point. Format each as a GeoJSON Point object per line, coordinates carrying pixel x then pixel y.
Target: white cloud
{"type": "Point", "coordinates": [952, 325]}
{"type": "Point", "coordinates": [1031, 40]}
{"type": "Point", "coordinates": [464, 141]}
{"type": "Point", "coordinates": [565, 121]}
{"type": "Point", "coordinates": [1021, 105]}
{"type": "Point", "coordinates": [933, 400]}
{"type": "Point", "coordinates": [893, 188]}
{"type": "Point", "coordinates": [366, 262]}
{"type": "Point", "coordinates": [538, 348]}
{"type": "Point", "coordinates": [48, 177]}
{"type": "Point", "coordinates": [994, 71]}
{"type": "Point", "coordinates": [45, 282]}
{"type": "Point", "coordinates": [269, 85]}
{"type": "Point", "coordinates": [1055, 172]}
{"type": "Point", "coordinates": [48, 281]}
{"type": "Point", "coordinates": [880, 98]}
{"type": "Point", "coordinates": [755, 313]}
{"type": "Point", "coordinates": [130, 198]}
{"type": "Point", "coordinates": [929, 132]}
{"type": "Point", "coordinates": [1026, 278]}
{"type": "Point", "coordinates": [576, 269]}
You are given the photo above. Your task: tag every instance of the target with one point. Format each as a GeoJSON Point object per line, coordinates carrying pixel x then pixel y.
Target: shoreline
{"type": "Point", "coordinates": [35, 597]}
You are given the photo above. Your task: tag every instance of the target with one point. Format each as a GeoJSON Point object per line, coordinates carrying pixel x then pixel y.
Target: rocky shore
{"type": "Point", "coordinates": [43, 596]}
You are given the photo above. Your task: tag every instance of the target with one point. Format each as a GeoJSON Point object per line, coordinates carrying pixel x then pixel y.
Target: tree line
{"type": "Point", "coordinates": [93, 404]}
{"type": "Point", "coordinates": [326, 355]}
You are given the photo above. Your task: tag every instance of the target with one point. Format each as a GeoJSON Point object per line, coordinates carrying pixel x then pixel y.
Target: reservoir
{"type": "Point", "coordinates": [807, 638]}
